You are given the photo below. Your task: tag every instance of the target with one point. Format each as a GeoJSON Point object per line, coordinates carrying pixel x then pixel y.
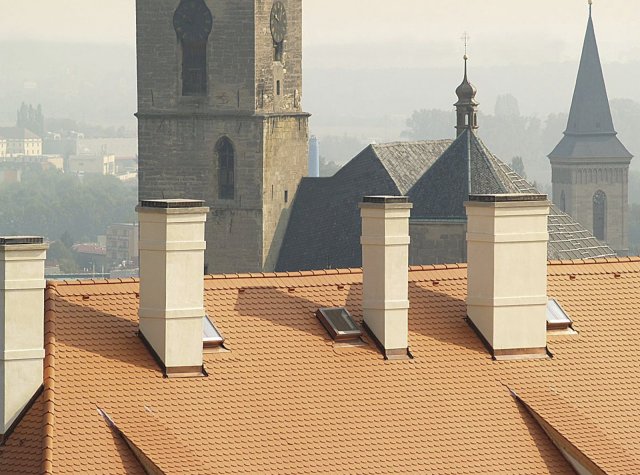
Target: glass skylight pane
{"type": "Point", "coordinates": [555, 314]}
{"type": "Point", "coordinates": [210, 333]}
{"type": "Point", "coordinates": [339, 323]}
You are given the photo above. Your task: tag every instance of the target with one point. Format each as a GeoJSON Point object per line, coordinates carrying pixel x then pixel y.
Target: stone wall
{"type": "Point", "coordinates": [178, 135]}
{"type": "Point", "coordinates": [578, 184]}
{"type": "Point", "coordinates": [286, 142]}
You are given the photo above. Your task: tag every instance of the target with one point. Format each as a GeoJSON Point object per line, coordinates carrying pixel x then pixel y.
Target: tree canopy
{"type": "Point", "coordinates": [50, 204]}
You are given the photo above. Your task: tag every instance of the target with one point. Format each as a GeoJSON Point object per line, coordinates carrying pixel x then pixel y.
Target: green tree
{"type": "Point", "coordinates": [62, 256]}
{"type": "Point", "coordinates": [430, 124]}
{"type": "Point", "coordinates": [51, 203]}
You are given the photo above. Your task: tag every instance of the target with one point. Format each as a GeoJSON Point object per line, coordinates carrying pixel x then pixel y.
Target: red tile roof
{"type": "Point", "coordinates": [287, 399]}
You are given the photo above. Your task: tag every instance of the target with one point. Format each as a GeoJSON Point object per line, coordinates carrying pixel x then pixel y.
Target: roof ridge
{"type": "Point", "coordinates": [65, 283]}
{"type": "Point", "coordinates": [593, 261]}
{"type": "Point", "coordinates": [411, 142]}
{"type": "Point", "coordinates": [48, 415]}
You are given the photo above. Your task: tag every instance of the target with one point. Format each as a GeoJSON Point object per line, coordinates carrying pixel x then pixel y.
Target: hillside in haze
{"type": "Point", "coordinates": [88, 83]}
{"type": "Point", "coordinates": [350, 106]}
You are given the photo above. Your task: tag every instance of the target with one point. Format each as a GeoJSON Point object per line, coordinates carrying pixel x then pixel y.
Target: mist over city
{"type": "Point", "coordinates": [384, 73]}
{"type": "Point", "coordinates": [298, 237]}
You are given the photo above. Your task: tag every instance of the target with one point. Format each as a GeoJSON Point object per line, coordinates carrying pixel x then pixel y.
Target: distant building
{"type": "Point", "coordinates": [21, 141]}
{"type": "Point", "coordinates": [90, 256]}
{"type": "Point", "coordinates": [56, 144]}
{"type": "Point", "coordinates": [122, 245]}
{"type": "Point", "coordinates": [3, 147]}
{"type": "Point", "coordinates": [125, 147]}
{"type": "Point", "coordinates": [314, 157]}
{"type": "Point", "coordinates": [11, 168]}
{"type": "Point", "coordinates": [590, 165]}
{"type": "Point", "coordinates": [220, 118]}
{"type": "Point", "coordinates": [31, 118]}
{"type": "Point", "coordinates": [438, 176]}
{"type": "Point", "coordinates": [92, 164]}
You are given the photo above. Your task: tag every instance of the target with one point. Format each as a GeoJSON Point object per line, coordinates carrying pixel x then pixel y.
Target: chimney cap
{"type": "Point", "coordinates": [20, 240]}
{"type": "Point", "coordinates": [385, 199]}
{"type": "Point", "coordinates": [172, 204]}
{"type": "Point", "coordinates": [507, 198]}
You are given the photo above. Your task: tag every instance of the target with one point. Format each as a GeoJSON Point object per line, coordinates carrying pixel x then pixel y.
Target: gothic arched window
{"type": "Point", "coordinates": [563, 201]}
{"type": "Point", "coordinates": [226, 169]}
{"type": "Point", "coordinates": [193, 23]}
{"type": "Point", "coordinates": [599, 214]}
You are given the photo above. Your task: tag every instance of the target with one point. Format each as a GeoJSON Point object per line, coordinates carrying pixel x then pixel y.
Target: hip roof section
{"type": "Point", "coordinates": [286, 398]}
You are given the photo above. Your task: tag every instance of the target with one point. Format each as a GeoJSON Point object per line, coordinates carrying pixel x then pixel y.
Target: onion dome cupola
{"type": "Point", "coordinates": [467, 106]}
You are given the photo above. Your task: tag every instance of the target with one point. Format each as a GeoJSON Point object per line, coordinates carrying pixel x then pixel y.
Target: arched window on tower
{"type": "Point", "coordinates": [599, 214]}
{"type": "Point", "coordinates": [193, 23]}
{"type": "Point", "coordinates": [563, 201]}
{"type": "Point", "coordinates": [226, 169]}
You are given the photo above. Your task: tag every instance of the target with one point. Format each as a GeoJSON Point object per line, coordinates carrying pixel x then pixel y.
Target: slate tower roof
{"type": "Point", "coordinates": [590, 132]}
{"type": "Point", "coordinates": [324, 228]}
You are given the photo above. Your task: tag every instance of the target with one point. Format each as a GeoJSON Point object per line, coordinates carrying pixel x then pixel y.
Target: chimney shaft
{"type": "Point", "coordinates": [21, 324]}
{"type": "Point", "coordinates": [507, 272]}
{"type": "Point", "coordinates": [172, 249]}
{"type": "Point", "coordinates": [385, 261]}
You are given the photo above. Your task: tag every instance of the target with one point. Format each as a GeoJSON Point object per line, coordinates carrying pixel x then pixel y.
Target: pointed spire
{"type": "Point", "coordinates": [590, 120]}
{"type": "Point", "coordinates": [590, 113]}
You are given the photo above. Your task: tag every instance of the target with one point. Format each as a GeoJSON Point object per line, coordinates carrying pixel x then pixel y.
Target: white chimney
{"type": "Point", "coordinates": [507, 272]}
{"type": "Point", "coordinates": [385, 262]}
{"type": "Point", "coordinates": [171, 310]}
{"type": "Point", "coordinates": [21, 324]}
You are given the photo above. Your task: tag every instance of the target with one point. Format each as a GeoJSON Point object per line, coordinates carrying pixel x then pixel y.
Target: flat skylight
{"type": "Point", "coordinates": [339, 323]}
{"type": "Point", "coordinates": [211, 337]}
{"type": "Point", "coordinates": [557, 318]}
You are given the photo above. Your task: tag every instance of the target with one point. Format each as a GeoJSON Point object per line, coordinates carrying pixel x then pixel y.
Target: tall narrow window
{"type": "Point", "coordinates": [599, 214]}
{"type": "Point", "coordinates": [563, 201]}
{"type": "Point", "coordinates": [193, 23]}
{"type": "Point", "coordinates": [226, 169]}
{"type": "Point", "coordinates": [278, 51]}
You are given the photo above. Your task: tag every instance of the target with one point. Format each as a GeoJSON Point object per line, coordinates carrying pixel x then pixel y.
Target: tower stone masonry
{"type": "Point", "coordinates": [590, 166]}
{"type": "Point", "coordinates": [220, 119]}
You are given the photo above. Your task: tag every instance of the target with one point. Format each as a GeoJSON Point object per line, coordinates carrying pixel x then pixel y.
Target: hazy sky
{"type": "Point", "coordinates": [408, 32]}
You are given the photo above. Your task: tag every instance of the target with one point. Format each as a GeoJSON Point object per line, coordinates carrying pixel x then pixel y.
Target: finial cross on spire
{"type": "Point", "coordinates": [590, 5]}
{"type": "Point", "coordinates": [465, 37]}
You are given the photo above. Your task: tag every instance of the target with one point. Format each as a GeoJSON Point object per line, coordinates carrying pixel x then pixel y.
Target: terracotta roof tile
{"type": "Point", "coordinates": [287, 399]}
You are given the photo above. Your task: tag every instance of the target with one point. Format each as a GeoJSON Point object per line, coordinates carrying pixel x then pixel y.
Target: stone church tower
{"type": "Point", "coordinates": [590, 165]}
{"type": "Point", "coordinates": [220, 118]}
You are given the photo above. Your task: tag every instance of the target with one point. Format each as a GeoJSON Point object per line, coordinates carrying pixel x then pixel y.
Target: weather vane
{"type": "Point", "coordinates": [466, 39]}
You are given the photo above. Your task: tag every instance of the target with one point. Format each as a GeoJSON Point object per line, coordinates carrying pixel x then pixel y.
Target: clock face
{"type": "Point", "coordinates": [192, 20]}
{"type": "Point", "coordinates": [278, 22]}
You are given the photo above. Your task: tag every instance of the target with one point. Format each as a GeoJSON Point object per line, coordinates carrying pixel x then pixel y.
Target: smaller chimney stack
{"type": "Point", "coordinates": [385, 261]}
{"type": "Point", "coordinates": [21, 324]}
{"type": "Point", "coordinates": [507, 240]}
{"type": "Point", "coordinates": [171, 311]}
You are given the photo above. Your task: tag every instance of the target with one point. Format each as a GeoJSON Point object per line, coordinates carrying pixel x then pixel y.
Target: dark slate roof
{"type": "Point", "coordinates": [590, 146]}
{"type": "Point", "coordinates": [443, 189]}
{"type": "Point", "coordinates": [590, 132]}
{"type": "Point", "coordinates": [324, 228]}
{"type": "Point", "coordinates": [406, 162]}
{"type": "Point", "coordinates": [568, 239]}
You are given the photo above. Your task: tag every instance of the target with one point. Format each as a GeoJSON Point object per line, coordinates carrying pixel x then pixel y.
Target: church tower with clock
{"type": "Point", "coordinates": [220, 118]}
